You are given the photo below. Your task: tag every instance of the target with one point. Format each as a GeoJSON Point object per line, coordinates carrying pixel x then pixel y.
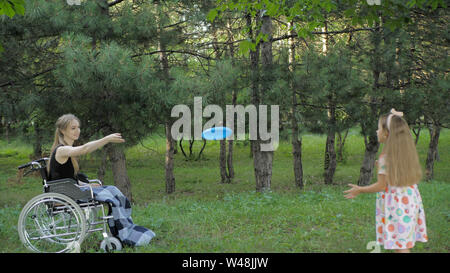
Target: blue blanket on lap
{"type": "Point", "coordinates": [121, 225]}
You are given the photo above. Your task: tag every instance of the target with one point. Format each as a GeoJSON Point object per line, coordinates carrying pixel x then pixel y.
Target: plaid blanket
{"type": "Point", "coordinates": [121, 225]}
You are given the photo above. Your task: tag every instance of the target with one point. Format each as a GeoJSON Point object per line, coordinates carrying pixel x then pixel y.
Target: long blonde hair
{"type": "Point", "coordinates": [61, 124]}
{"type": "Point", "coordinates": [402, 161]}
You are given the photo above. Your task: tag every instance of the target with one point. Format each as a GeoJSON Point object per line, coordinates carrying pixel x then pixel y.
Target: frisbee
{"type": "Point", "coordinates": [216, 133]}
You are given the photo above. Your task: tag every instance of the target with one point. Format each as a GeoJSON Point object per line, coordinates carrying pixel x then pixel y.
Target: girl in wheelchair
{"type": "Point", "coordinates": [64, 165]}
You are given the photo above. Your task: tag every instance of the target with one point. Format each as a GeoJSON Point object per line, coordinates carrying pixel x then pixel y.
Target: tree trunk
{"type": "Point", "coordinates": [296, 140]}
{"type": "Point", "coordinates": [224, 177]}
{"type": "Point", "coordinates": [432, 152]}
{"type": "Point", "coordinates": [372, 145]}
{"type": "Point", "coordinates": [230, 161]}
{"type": "Point", "coordinates": [417, 134]}
{"type": "Point", "coordinates": [263, 160]}
{"type": "Point", "coordinates": [37, 147]}
{"type": "Point", "coordinates": [233, 102]}
{"type": "Point", "coordinates": [340, 145]}
{"type": "Point", "coordinates": [102, 169]}
{"type": "Point", "coordinates": [325, 38]}
{"type": "Point", "coordinates": [201, 150]}
{"type": "Point", "coordinates": [254, 77]}
{"type": "Point", "coordinates": [223, 162]}
{"type": "Point", "coordinates": [119, 170]}
{"type": "Point", "coordinates": [170, 142]}
{"type": "Point", "coordinates": [297, 154]}
{"type": "Point", "coordinates": [366, 171]}
{"type": "Point", "coordinates": [191, 143]}
{"type": "Point", "coordinates": [330, 152]}
{"type": "Point", "coordinates": [169, 163]}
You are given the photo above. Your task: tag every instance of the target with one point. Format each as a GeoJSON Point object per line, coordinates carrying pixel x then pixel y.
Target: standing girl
{"type": "Point", "coordinates": [400, 217]}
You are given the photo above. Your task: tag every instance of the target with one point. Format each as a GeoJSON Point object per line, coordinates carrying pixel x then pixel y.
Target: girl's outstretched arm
{"type": "Point", "coordinates": [63, 153]}
{"type": "Point", "coordinates": [378, 186]}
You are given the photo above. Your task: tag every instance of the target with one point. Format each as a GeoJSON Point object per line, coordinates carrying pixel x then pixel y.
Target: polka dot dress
{"type": "Point", "coordinates": [400, 218]}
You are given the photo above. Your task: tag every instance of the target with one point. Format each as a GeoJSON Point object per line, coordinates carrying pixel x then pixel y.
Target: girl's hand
{"type": "Point", "coordinates": [115, 138]}
{"type": "Point", "coordinates": [353, 192]}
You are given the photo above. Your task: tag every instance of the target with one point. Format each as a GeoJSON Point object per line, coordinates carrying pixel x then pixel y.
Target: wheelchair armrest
{"type": "Point", "coordinates": [95, 181]}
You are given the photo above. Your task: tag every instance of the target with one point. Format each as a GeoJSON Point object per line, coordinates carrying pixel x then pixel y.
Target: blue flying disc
{"type": "Point", "coordinates": [216, 133]}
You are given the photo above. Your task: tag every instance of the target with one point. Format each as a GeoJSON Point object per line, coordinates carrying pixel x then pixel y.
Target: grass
{"type": "Point", "coordinates": [204, 215]}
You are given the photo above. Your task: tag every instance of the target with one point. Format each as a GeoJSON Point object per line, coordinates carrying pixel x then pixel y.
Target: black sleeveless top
{"type": "Point", "coordinates": [60, 171]}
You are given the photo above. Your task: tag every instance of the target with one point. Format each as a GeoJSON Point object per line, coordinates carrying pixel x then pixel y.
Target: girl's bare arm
{"type": "Point", "coordinates": [64, 152]}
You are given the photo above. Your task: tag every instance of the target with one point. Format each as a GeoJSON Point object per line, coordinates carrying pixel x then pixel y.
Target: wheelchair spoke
{"type": "Point", "coordinates": [51, 223]}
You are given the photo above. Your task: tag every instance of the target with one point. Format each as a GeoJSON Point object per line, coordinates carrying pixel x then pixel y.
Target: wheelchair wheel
{"type": "Point", "coordinates": [52, 222]}
{"type": "Point", "coordinates": [111, 244]}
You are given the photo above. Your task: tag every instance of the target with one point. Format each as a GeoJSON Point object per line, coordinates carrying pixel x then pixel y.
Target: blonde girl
{"type": "Point", "coordinates": [63, 164]}
{"type": "Point", "coordinates": [400, 217]}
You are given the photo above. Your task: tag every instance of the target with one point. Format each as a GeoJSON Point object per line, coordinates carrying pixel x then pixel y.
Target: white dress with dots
{"type": "Point", "coordinates": [400, 217]}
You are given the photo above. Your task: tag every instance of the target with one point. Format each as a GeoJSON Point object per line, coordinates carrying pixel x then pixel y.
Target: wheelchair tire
{"type": "Point", "coordinates": [110, 244]}
{"type": "Point", "coordinates": [52, 222]}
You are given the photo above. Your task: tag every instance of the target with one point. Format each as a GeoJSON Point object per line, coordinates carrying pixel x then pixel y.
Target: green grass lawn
{"type": "Point", "coordinates": [204, 215]}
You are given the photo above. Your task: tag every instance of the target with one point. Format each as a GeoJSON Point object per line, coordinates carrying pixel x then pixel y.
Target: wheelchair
{"type": "Point", "coordinates": [59, 219]}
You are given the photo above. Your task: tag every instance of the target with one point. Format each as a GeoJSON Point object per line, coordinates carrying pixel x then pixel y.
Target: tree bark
{"type": "Point", "coordinates": [223, 162]}
{"type": "Point", "coordinates": [263, 160]}
{"type": "Point", "coordinates": [102, 169]}
{"type": "Point", "coordinates": [296, 140]}
{"type": "Point", "coordinates": [366, 171]}
{"type": "Point", "coordinates": [297, 154]}
{"type": "Point", "coordinates": [37, 147]}
{"type": "Point", "coordinates": [233, 102]}
{"type": "Point", "coordinates": [432, 152]}
{"type": "Point", "coordinates": [224, 177]}
{"type": "Point", "coordinates": [169, 163]}
{"type": "Point", "coordinates": [263, 168]}
{"type": "Point", "coordinates": [416, 133]}
{"type": "Point", "coordinates": [254, 78]}
{"type": "Point", "coordinates": [230, 161]}
{"type": "Point", "coordinates": [330, 152]}
{"type": "Point", "coordinates": [340, 145]}
{"type": "Point", "coordinates": [170, 142]}
{"type": "Point", "coordinates": [369, 131]}
{"type": "Point", "coordinates": [119, 170]}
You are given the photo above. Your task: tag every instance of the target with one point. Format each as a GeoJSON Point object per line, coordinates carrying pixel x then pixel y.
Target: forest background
{"type": "Point", "coordinates": [333, 67]}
